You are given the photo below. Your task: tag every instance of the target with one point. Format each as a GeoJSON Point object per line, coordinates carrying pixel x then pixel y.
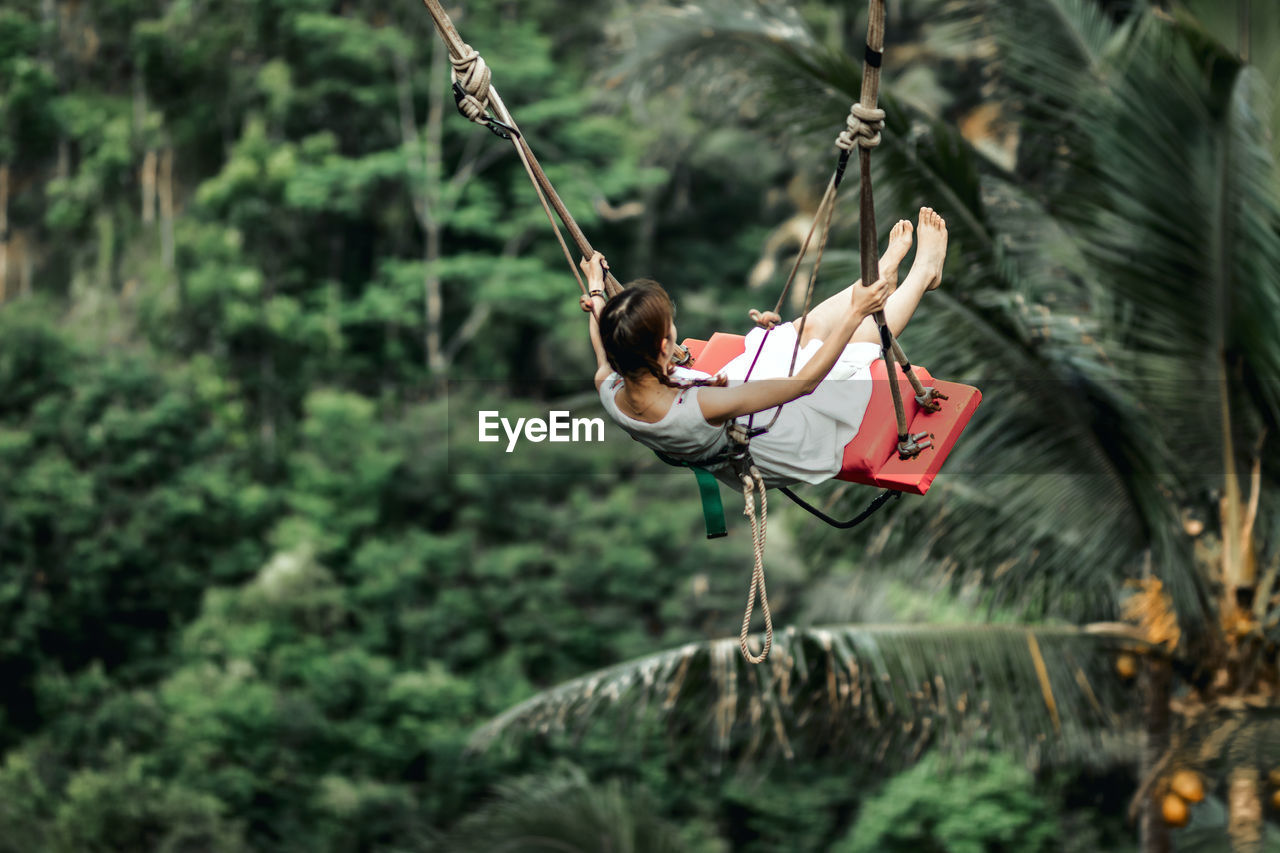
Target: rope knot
{"type": "Point", "coordinates": [471, 76]}
{"type": "Point", "coordinates": [862, 128]}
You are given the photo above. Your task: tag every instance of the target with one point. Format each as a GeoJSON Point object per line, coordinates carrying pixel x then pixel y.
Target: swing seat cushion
{"type": "Point", "coordinates": [871, 458]}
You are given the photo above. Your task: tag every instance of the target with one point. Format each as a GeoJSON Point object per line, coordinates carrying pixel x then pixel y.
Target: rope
{"type": "Point", "coordinates": [471, 78]}
{"type": "Point", "coordinates": [862, 128]}
{"type": "Point", "coordinates": [472, 74]}
{"type": "Point", "coordinates": [751, 482]}
{"type": "Point", "coordinates": [522, 149]}
{"type": "Point", "coordinates": [480, 102]}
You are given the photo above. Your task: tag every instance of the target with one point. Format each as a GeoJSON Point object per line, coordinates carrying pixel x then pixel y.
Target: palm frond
{"type": "Point", "coordinates": [874, 692]}
{"type": "Point", "coordinates": [1192, 293]}
{"type": "Point", "coordinates": [1051, 41]}
{"type": "Point", "coordinates": [1055, 488]}
{"type": "Point", "coordinates": [563, 810]}
{"type": "Point", "coordinates": [757, 64]}
{"type": "Point", "coordinates": [1087, 305]}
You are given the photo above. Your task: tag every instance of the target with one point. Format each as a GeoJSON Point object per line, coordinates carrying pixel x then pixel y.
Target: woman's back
{"type": "Point", "coordinates": [805, 444]}
{"type": "Point", "coordinates": [682, 432]}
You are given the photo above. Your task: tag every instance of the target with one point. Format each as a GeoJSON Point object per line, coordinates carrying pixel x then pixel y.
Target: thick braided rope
{"type": "Point", "coordinates": [473, 75]}
{"type": "Point", "coordinates": [862, 128]}
{"type": "Point", "coordinates": [749, 485]}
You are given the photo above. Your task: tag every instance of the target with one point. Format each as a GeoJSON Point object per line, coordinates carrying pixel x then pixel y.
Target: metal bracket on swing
{"type": "Point", "coordinates": [929, 399]}
{"type": "Point", "coordinates": [909, 446]}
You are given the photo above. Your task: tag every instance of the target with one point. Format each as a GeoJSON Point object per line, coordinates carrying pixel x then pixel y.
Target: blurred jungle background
{"type": "Point", "coordinates": [257, 277]}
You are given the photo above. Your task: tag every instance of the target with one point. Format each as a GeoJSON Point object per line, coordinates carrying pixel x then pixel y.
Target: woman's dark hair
{"type": "Point", "coordinates": [632, 326]}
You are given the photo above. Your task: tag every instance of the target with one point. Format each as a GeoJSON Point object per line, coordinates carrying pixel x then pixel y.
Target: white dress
{"type": "Point", "coordinates": [806, 444]}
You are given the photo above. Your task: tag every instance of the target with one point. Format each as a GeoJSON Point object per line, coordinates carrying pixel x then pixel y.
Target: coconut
{"type": "Point", "coordinates": [1175, 810]}
{"type": "Point", "coordinates": [1188, 785]}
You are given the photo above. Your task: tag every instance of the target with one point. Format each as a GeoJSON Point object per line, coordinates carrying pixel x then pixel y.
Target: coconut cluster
{"type": "Point", "coordinates": [1185, 788]}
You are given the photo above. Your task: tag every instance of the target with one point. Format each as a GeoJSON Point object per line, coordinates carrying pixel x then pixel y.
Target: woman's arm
{"type": "Point", "coordinates": [722, 404]}
{"type": "Point", "coordinates": [591, 303]}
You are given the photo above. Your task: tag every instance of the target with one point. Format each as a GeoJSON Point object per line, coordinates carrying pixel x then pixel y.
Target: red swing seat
{"type": "Point", "coordinates": [871, 458]}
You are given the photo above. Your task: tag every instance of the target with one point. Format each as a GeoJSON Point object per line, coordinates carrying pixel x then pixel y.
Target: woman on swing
{"type": "Point", "coordinates": [682, 412]}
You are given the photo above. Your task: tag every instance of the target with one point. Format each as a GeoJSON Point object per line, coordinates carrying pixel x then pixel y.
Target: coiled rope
{"type": "Point", "coordinates": [862, 128]}
{"type": "Point", "coordinates": [751, 481]}
{"type": "Point", "coordinates": [472, 75]}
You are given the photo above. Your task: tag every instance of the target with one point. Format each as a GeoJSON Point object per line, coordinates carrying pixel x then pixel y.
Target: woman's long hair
{"type": "Point", "coordinates": [632, 326]}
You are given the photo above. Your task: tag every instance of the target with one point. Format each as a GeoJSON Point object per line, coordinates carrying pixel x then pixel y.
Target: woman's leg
{"type": "Point", "coordinates": [925, 274]}
{"type": "Point", "coordinates": [826, 315]}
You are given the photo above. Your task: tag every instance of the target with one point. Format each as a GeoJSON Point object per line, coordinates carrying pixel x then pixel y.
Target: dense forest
{"type": "Point", "coordinates": [262, 589]}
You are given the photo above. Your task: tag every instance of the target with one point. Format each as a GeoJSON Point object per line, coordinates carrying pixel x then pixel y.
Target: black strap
{"type": "Point", "coordinates": [841, 164]}
{"type": "Point", "coordinates": [881, 499]}
{"type": "Point", "coordinates": [874, 57]}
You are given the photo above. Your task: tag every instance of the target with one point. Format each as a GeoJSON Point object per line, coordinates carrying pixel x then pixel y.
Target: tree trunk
{"type": "Point", "coordinates": [104, 275]}
{"type": "Point", "coordinates": [4, 231]}
{"type": "Point", "coordinates": [166, 207]}
{"type": "Point", "coordinates": [147, 178]}
{"type": "Point", "coordinates": [433, 299]}
{"type": "Point", "coordinates": [1153, 835]}
{"type": "Point", "coordinates": [1244, 809]}
{"type": "Point", "coordinates": [27, 266]}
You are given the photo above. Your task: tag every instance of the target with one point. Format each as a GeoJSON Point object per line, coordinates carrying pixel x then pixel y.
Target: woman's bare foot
{"type": "Point", "coordinates": [899, 245]}
{"type": "Point", "coordinates": [931, 254]}
{"type": "Point", "coordinates": [828, 314]}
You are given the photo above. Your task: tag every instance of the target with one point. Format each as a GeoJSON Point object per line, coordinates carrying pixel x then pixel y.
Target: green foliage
{"type": "Point", "coordinates": [123, 495]}
{"type": "Point", "coordinates": [565, 811]}
{"type": "Point", "coordinates": [120, 806]}
{"type": "Point", "coordinates": [27, 87]}
{"type": "Point", "coordinates": [257, 587]}
{"type": "Point", "coordinates": [986, 804]}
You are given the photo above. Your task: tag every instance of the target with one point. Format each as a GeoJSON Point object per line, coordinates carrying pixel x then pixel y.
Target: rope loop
{"type": "Point", "coordinates": [473, 75]}
{"type": "Point", "coordinates": [862, 128]}
{"type": "Point", "coordinates": [751, 481]}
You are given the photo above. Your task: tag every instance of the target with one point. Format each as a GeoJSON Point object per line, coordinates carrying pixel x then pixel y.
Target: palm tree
{"type": "Point", "coordinates": [1113, 289]}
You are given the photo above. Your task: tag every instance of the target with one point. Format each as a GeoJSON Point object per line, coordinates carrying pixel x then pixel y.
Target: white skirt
{"type": "Point", "coordinates": [806, 443]}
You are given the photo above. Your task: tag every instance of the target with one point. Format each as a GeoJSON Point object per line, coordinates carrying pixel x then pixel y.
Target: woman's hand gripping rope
{"type": "Point", "coordinates": [595, 269]}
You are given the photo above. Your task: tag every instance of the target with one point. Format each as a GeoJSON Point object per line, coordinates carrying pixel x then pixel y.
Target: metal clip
{"type": "Point", "coordinates": [929, 399]}
{"type": "Point", "coordinates": [912, 445]}
{"type": "Point", "coordinates": [741, 435]}
{"type": "Point", "coordinates": [499, 128]}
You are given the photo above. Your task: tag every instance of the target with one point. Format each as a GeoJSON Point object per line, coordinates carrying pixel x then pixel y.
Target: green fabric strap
{"type": "Point", "coordinates": [712, 507]}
